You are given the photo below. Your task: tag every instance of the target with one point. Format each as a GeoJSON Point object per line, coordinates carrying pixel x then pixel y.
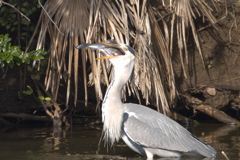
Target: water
{"type": "Point", "coordinates": [78, 142]}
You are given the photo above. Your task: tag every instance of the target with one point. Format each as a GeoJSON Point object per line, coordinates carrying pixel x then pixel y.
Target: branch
{"type": "Point", "coordinates": [25, 116]}
{"type": "Point", "coordinates": [49, 17]}
{"type": "Point", "coordinates": [1, 2]}
{"type": "Point", "coordinates": [209, 110]}
{"type": "Point", "coordinates": [43, 104]}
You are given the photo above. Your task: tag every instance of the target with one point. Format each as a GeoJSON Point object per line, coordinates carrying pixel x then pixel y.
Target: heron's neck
{"type": "Point", "coordinates": [120, 78]}
{"type": "Point", "coordinates": [112, 107]}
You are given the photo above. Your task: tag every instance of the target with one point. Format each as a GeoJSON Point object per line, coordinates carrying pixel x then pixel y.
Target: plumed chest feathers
{"type": "Point", "coordinates": [112, 120]}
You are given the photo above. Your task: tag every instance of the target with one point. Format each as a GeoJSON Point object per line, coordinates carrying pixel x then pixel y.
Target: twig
{"type": "Point", "coordinates": [209, 25]}
{"type": "Point", "coordinates": [1, 2]}
{"type": "Point", "coordinates": [230, 32]}
{"type": "Point", "coordinates": [50, 17]}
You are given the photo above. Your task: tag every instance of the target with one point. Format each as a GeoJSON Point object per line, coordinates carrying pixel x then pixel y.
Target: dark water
{"type": "Point", "coordinates": [43, 143]}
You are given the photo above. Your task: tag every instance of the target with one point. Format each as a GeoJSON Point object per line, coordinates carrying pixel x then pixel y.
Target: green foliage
{"type": "Point", "coordinates": [29, 91]}
{"type": "Point", "coordinates": [44, 98]}
{"type": "Point", "coordinates": [9, 18]}
{"type": "Point", "coordinates": [14, 55]}
{"type": "Point", "coordinates": [7, 52]}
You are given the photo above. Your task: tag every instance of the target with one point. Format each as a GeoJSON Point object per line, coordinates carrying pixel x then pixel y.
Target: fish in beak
{"type": "Point", "coordinates": [108, 49]}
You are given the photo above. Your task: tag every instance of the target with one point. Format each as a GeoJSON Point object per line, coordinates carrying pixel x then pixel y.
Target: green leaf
{"type": "Point", "coordinates": [31, 53]}
{"type": "Point", "coordinates": [3, 57]}
{"type": "Point", "coordinates": [8, 26]}
{"type": "Point", "coordinates": [6, 38]}
{"type": "Point", "coordinates": [41, 98]}
{"type": "Point", "coordinates": [35, 76]}
{"type": "Point", "coordinates": [27, 61]}
{"type": "Point", "coordinates": [2, 10]}
{"type": "Point", "coordinates": [15, 23]}
{"type": "Point", "coordinates": [44, 98]}
{"type": "Point", "coordinates": [23, 10]}
{"type": "Point", "coordinates": [41, 52]}
{"type": "Point", "coordinates": [6, 46]}
{"type": "Point", "coordinates": [9, 58]}
{"type": "Point", "coordinates": [25, 22]}
{"type": "Point", "coordinates": [36, 58]}
{"type": "Point", "coordinates": [16, 52]}
{"type": "Point", "coordinates": [47, 99]}
{"type": "Point", "coordinates": [29, 87]}
{"type": "Point", "coordinates": [18, 63]}
{"type": "Point", "coordinates": [12, 29]}
{"type": "Point", "coordinates": [4, 23]}
{"type": "Point", "coordinates": [11, 64]}
{"type": "Point", "coordinates": [29, 91]}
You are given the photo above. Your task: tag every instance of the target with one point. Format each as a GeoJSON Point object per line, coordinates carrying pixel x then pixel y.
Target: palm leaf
{"type": "Point", "coordinates": [130, 22]}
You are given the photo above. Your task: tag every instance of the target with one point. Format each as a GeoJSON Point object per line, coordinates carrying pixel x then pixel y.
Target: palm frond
{"type": "Point", "coordinates": [62, 43]}
{"type": "Point", "coordinates": [130, 22]}
{"type": "Point", "coordinates": [184, 14]}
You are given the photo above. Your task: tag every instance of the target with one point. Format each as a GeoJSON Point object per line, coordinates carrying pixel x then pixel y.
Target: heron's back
{"type": "Point", "coordinates": [150, 129]}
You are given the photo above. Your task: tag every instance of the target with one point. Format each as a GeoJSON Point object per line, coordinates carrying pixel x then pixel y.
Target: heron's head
{"type": "Point", "coordinates": [118, 54]}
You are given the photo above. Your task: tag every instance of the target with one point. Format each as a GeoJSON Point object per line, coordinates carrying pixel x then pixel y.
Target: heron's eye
{"type": "Point", "coordinates": [125, 48]}
{"type": "Point", "coordinates": [116, 53]}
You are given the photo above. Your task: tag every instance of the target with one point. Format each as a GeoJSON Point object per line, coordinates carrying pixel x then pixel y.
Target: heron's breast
{"type": "Point", "coordinates": [112, 120]}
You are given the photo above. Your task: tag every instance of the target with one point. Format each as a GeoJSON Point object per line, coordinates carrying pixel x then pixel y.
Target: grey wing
{"type": "Point", "coordinates": [155, 130]}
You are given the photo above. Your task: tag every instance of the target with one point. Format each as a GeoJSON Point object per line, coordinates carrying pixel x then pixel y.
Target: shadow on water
{"type": "Point", "coordinates": [78, 142]}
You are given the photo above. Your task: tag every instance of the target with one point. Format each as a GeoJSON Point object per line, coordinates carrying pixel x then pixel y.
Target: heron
{"type": "Point", "coordinates": [144, 130]}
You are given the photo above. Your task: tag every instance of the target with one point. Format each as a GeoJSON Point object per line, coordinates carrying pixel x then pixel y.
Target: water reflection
{"type": "Point", "coordinates": [82, 143]}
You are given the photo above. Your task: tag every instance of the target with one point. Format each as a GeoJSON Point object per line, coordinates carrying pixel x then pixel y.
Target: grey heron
{"type": "Point", "coordinates": [144, 130]}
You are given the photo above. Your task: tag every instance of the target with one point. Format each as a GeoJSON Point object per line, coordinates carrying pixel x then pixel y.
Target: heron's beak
{"type": "Point", "coordinates": [107, 50]}
{"type": "Point", "coordinates": [107, 57]}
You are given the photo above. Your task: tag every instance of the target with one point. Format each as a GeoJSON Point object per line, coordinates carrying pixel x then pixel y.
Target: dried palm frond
{"type": "Point", "coordinates": [132, 22]}
{"type": "Point", "coordinates": [161, 44]}
{"type": "Point", "coordinates": [129, 23]}
{"type": "Point", "coordinates": [185, 12]}
{"type": "Point", "coordinates": [71, 18]}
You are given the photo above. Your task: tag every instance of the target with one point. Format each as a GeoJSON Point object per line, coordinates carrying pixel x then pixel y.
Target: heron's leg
{"type": "Point", "coordinates": [150, 152]}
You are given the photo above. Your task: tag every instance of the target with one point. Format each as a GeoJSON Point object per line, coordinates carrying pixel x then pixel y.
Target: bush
{"type": "Point", "coordinates": [14, 55]}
